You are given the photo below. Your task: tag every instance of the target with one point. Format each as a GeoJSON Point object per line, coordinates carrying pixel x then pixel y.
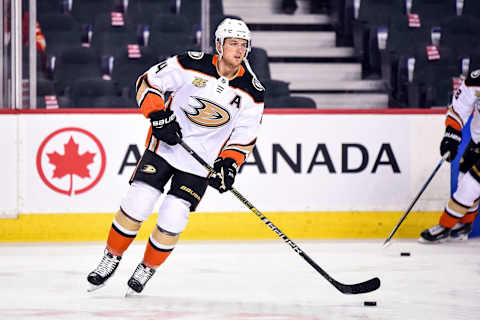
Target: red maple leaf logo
{"type": "Point", "coordinates": [71, 162]}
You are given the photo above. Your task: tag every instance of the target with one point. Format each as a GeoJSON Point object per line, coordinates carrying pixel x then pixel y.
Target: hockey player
{"type": "Point", "coordinates": [215, 104]}
{"type": "Point", "coordinates": [462, 208]}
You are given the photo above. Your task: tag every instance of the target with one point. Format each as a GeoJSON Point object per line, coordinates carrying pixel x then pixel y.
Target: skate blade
{"type": "Point", "coordinates": [131, 293]}
{"type": "Point", "coordinates": [462, 237]}
{"type": "Point", "coordinates": [423, 241]}
{"type": "Point", "coordinates": [93, 287]}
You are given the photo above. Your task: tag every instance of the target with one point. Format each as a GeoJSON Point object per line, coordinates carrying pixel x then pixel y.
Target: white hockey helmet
{"type": "Point", "coordinates": [233, 28]}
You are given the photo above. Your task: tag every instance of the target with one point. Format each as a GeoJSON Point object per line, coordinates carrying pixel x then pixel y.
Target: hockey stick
{"type": "Point", "coordinates": [363, 287]}
{"type": "Point", "coordinates": [387, 241]}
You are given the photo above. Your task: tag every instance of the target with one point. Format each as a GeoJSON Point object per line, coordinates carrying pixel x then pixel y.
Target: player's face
{"type": "Point", "coordinates": [234, 50]}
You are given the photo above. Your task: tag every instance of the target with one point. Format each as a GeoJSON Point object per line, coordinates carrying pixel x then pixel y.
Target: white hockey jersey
{"type": "Point", "coordinates": [217, 116]}
{"type": "Point", "coordinates": [465, 101]}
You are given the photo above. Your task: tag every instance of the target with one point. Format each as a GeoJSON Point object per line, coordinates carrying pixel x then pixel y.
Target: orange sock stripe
{"type": "Point", "coordinates": [154, 256]}
{"type": "Point", "coordinates": [469, 217]}
{"type": "Point", "coordinates": [448, 221]}
{"type": "Point", "coordinates": [118, 241]}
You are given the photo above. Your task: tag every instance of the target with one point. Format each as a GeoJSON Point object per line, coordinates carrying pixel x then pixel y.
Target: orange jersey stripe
{"type": "Point", "coordinates": [450, 122]}
{"type": "Point", "coordinates": [235, 155]}
{"type": "Point", "coordinates": [149, 99]}
{"type": "Point", "coordinates": [151, 103]}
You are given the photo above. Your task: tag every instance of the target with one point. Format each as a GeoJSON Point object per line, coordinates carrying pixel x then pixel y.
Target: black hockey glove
{"type": "Point", "coordinates": [165, 127]}
{"type": "Point", "coordinates": [225, 169]}
{"type": "Point", "coordinates": [450, 142]}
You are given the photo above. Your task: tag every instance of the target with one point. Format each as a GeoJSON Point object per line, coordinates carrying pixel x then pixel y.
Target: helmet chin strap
{"type": "Point", "coordinates": [220, 52]}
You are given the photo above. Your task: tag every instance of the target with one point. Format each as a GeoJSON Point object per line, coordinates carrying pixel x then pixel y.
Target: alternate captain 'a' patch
{"type": "Point", "coordinates": [207, 113]}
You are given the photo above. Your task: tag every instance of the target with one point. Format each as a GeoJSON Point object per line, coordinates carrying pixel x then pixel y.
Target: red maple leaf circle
{"type": "Point", "coordinates": [71, 162]}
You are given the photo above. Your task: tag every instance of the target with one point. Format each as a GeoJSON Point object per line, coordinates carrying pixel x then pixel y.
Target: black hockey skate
{"type": "Point", "coordinates": [139, 279]}
{"type": "Point", "coordinates": [435, 234]}
{"type": "Point", "coordinates": [461, 231]}
{"type": "Point", "coordinates": [105, 269]}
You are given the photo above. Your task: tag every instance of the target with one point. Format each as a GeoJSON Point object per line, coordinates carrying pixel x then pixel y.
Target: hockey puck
{"type": "Point", "coordinates": [370, 303]}
{"type": "Point", "coordinates": [405, 254]}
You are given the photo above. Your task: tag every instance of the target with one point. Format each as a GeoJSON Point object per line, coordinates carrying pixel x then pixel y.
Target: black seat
{"type": "Point", "coordinates": [432, 11]}
{"type": "Point", "coordinates": [432, 83]}
{"type": "Point", "coordinates": [171, 35]}
{"type": "Point", "coordinates": [107, 39]}
{"type": "Point", "coordinates": [76, 63]}
{"type": "Point", "coordinates": [146, 10]}
{"type": "Point", "coordinates": [402, 43]}
{"type": "Point", "coordinates": [289, 102]}
{"type": "Point", "coordinates": [85, 91]}
{"type": "Point", "coordinates": [126, 70]}
{"type": "Point", "coordinates": [48, 7]}
{"type": "Point", "coordinates": [471, 8]}
{"type": "Point", "coordinates": [399, 96]}
{"type": "Point", "coordinates": [435, 91]}
{"type": "Point", "coordinates": [112, 102]}
{"type": "Point", "coordinates": [61, 32]}
{"type": "Point", "coordinates": [404, 39]}
{"type": "Point", "coordinates": [276, 88]}
{"type": "Point", "coordinates": [46, 92]}
{"type": "Point", "coordinates": [84, 10]}
{"type": "Point", "coordinates": [171, 23]}
{"type": "Point", "coordinates": [366, 27]}
{"type": "Point", "coordinates": [461, 33]}
{"type": "Point", "coordinates": [44, 88]}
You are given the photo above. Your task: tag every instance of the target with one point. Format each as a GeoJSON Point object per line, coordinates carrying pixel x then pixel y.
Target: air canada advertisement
{"type": "Point", "coordinates": [81, 163]}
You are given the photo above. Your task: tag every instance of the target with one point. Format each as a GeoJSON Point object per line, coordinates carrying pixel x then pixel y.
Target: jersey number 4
{"type": "Point", "coordinates": [161, 65]}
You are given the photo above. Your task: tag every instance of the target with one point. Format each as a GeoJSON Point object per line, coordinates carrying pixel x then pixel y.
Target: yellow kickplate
{"type": "Point", "coordinates": [223, 226]}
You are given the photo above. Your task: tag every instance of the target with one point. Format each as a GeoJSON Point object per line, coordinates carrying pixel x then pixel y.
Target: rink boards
{"type": "Point", "coordinates": [314, 174]}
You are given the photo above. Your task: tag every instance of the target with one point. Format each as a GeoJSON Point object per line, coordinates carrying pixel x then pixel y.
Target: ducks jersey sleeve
{"type": "Point", "coordinates": [463, 101]}
{"type": "Point", "coordinates": [152, 85]}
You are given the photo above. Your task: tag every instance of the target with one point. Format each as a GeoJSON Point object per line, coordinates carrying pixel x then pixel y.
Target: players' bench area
{"type": "Point", "coordinates": [315, 174]}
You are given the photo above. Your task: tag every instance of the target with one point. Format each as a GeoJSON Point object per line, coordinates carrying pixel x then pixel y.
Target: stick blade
{"type": "Point", "coordinates": [358, 288]}
{"type": "Point", "coordinates": [386, 243]}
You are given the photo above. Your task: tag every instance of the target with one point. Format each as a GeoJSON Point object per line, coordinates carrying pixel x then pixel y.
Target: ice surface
{"type": "Point", "coordinates": [245, 280]}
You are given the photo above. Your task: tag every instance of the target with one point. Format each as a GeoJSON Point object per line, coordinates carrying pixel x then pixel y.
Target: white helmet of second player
{"type": "Point", "coordinates": [233, 28]}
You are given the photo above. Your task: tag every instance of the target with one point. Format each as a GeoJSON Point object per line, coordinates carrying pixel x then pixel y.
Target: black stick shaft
{"type": "Point", "coordinates": [414, 201]}
{"type": "Point", "coordinates": [363, 287]}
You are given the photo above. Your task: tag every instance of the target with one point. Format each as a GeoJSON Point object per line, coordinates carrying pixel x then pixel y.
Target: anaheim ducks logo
{"type": "Point", "coordinates": [148, 168]}
{"type": "Point", "coordinates": [207, 113]}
